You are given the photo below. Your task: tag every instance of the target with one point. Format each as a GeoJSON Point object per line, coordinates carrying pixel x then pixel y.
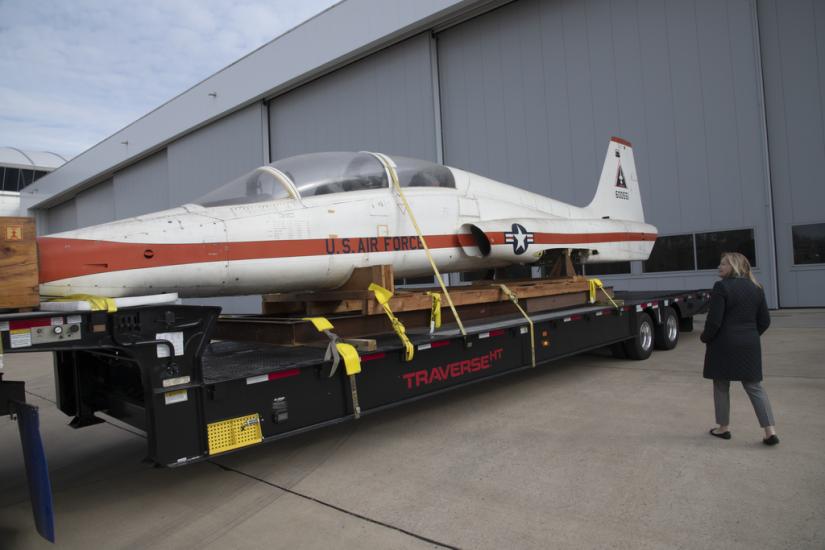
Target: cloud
{"type": "Point", "coordinates": [76, 72]}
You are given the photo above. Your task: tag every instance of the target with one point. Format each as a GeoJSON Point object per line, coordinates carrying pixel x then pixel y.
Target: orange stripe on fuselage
{"type": "Point", "coordinates": [62, 258]}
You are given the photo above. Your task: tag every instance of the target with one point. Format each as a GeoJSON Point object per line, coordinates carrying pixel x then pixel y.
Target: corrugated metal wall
{"type": "Point", "coordinates": [96, 204]}
{"type": "Point", "coordinates": [381, 103]}
{"type": "Point", "coordinates": [532, 92]}
{"type": "Point", "coordinates": [142, 187]}
{"type": "Point", "coordinates": [793, 55]}
{"type": "Point", "coordinates": [216, 154]}
{"type": "Point", "coordinates": [62, 217]}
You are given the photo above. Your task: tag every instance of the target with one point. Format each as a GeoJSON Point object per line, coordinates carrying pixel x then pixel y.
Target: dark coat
{"type": "Point", "coordinates": [738, 315]}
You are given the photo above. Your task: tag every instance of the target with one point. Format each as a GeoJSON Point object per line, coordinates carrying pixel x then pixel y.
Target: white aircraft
{"type": "Point", "coordinates": [304, 223]}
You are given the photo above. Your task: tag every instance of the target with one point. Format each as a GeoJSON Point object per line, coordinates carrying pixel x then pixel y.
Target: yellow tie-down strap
{"type": "Point", "coordinates": [352, 361]}
{"type": "Point", "coordinates": [98, 303]}
{"type": "Point", "coordinates": [435, 311]}
{"type": "Point", "coordinates": [234, 433]}
{"type": "Point", "coordinates": [383, 296]}
{"type": "Point", "coordinates": [594, 285]}
{"type": "Point", "coordinates": [347, 352]}
{"type": "Point", "coordinates": [513, 298]}
{"type": "Point", "coordinates": [337, 350]}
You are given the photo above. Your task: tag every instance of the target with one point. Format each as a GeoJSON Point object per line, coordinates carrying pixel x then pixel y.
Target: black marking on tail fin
{"type": "Point", "coordinates": [620, 182]}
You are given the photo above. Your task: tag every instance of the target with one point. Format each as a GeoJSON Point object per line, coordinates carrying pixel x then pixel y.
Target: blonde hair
{"type": "Point", "coordinates": [740, 266]}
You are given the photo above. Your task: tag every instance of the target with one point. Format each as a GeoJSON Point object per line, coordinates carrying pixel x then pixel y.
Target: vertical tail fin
{"type": "Point", "coordinates": [617, 195]}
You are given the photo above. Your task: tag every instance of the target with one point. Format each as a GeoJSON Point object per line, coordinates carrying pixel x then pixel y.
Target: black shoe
{"type": "Point", "coordinates": [726, 435]}
{"type": "Point", "coordinates": [772, 440]}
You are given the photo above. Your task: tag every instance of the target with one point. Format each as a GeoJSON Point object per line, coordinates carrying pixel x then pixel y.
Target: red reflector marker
{"type": "Point", "coordinates": [283, 374]}
{"type": "Point", "coordinates": [373, 356]}
{"type": "Point", "coordinates": [499, 332]}
{"type": "Point", "coordinates": [30, 323]}
{"type": "Point", "coordinates": [440, 343]}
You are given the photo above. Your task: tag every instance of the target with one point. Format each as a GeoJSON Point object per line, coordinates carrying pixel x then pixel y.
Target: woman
{"type": "Point", "coordinates": [738, 315]}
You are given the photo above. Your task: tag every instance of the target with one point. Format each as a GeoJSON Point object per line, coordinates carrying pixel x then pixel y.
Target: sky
{"type": "Point", "coordinates": [72, 73]}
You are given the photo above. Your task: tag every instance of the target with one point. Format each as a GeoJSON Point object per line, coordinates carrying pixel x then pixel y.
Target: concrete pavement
{"type": "Point", "coordinates": [588, 452]}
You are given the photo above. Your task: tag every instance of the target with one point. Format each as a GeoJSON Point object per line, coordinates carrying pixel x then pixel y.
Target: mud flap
{"type": "Point", "coordinates": [37, 470]}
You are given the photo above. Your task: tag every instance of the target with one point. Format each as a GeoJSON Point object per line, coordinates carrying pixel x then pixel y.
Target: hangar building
{"type": "Point", "coordinates": [20, 168]}
{"type": "Point", "coordinates": [724, 102]}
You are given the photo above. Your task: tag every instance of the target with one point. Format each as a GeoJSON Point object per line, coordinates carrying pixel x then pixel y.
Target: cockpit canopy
{"type": "Point", "coordinates": [322, 173]}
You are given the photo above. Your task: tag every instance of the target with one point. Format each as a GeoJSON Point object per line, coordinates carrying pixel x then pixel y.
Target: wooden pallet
{"type": "Point", "coordinates": [356, 313]}
{"type": "Point", "coordinates": [19, 288]}
{"type": "Point", "coordinates": [354, 298]}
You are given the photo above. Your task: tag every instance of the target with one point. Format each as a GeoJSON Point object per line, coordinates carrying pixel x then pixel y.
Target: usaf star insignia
{"type": "Point", "coordinates": [519, 237]}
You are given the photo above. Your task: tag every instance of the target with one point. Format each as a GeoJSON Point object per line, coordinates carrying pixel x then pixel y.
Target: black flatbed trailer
{"type": "Point", "coordinates": [158, 368]}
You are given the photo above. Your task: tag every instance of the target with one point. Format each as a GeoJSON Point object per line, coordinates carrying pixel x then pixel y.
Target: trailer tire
{"type": "Point", "coordinates": [667, 334]}
{"type": "Point", "coordinates": [641, 346]}
{"type": "Point", "coordinates": [686, 324]}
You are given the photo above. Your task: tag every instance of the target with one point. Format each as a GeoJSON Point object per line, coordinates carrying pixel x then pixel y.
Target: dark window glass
{"type": "Point", "coordinates": [611, 268]}
{"type": "Point", "coordinates": [674, 253]}
{"type": "Point", "coordinates": [28, 177]}
{"type": "Point", "coordinates": [2, 178]}
{"type": "Point", "coordinates": [484, 275]}
{"type": "Point", "coordinates": [11, 183]}
{"type": "Point", "coordinates": [515, 271]}
{"type": "Point", "coordinates": [428, 280]}
{"type": "Point", "coordinates": [809, 243]}
{"type": "Point", "coordinates": [39, 174]}
{"type": "Point", "coordinates": [711, 246]}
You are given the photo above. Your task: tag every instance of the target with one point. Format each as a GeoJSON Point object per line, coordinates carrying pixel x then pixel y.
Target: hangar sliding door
{"type": "Point", "coordinates": [532, 92]}
{"type": "Point", "coordinates": [383, 102]}
{"type": "Point", "coordinates": [793, 59]}
{"type": "Point", "coordinates": [210, 157]}
{"type": "Point", "coordinates": [142, 187]}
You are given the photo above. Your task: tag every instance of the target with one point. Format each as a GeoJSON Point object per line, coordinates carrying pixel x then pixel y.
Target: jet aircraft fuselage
{"type": "Point", "coordinates": [306, 222]}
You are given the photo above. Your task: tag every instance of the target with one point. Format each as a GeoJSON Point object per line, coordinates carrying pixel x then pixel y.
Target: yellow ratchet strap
{"type": "Point", "coordinates": [383, 296]}
{"type": "Point", "coordinates": [337, 350]}
{"type": "Point", "coordinates": [595, 284]}
{"type": "Point", "coordinates": [435, 311]}
{"type": "Point", "coordinates": [98, 303]}
{"type": "Point", "coordinates": [397, 186]}
{"type": "Point", "coordinates": [513, 298]}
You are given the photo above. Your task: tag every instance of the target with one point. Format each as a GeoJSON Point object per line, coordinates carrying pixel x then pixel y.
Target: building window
{"type": "Point", "coordinates": [12, 180]}
{"type": "Point", "coordinates": [809, 243]}
{"type": "Point", "coordinates": [429, 280]}
{"type": "Point", "coordinates": [673, 253]}
{"type": "Point", "coordinates": [711, 246]}
{"type": "Point", "coordinates": [611, 268]}
{"type": "Point", "coordinates": [472, 276]}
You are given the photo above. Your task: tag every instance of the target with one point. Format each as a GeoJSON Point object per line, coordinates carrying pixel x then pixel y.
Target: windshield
{"type": "Point", "coordinates": [422, 173]}
{"type": "Point", "coordinates": [322, 173]}
{"type": "Point", "coordinates": [262, 184]}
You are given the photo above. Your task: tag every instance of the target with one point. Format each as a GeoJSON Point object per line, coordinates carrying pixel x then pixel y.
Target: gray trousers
{"type": "Point", "coordinates": [759, 400]}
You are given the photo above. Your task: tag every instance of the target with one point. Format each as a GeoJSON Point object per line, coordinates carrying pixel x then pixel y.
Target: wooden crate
{"type": "Point", "coordinates": [356, 313]}
{"type": "Point", "coordinates": [18, 264]}
{"type": "Point", "coordinates": [354, 297]}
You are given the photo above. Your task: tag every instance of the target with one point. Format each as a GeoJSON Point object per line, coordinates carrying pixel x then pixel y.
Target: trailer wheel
{"type": "Point", "coordinates": [667, 334]}
{"type": "Point", "coordinates": [686, 324]}
{"type": "Point", "coordinates": [641, 346]}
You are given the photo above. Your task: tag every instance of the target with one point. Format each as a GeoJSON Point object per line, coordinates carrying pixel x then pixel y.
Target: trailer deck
{"type": "Point", "coordinates": [158, 368]}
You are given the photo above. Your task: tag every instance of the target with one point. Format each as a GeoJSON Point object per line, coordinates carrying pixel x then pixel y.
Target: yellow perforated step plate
{"type": "Point", "coordinates": [234, 433]}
